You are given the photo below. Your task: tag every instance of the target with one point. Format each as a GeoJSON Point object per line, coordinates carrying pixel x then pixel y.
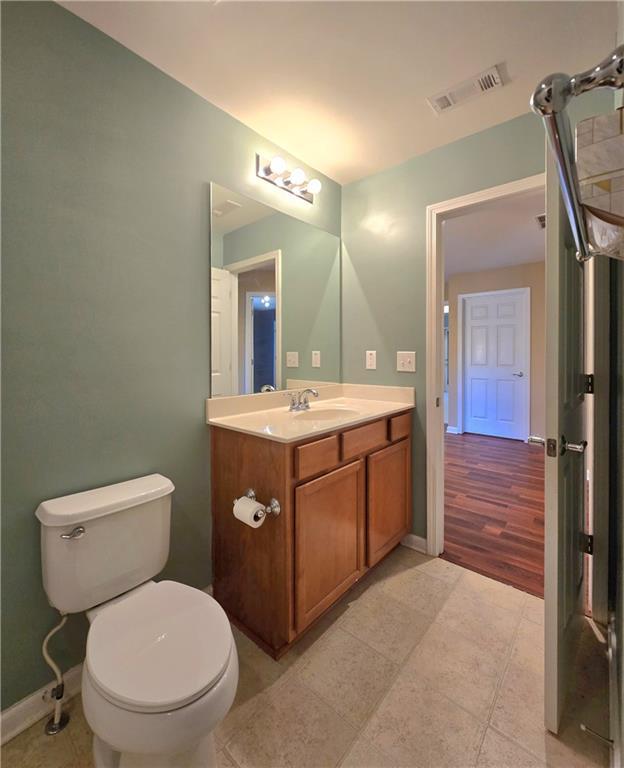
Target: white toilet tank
{"type": "Point", "coordinates": [98, 544]}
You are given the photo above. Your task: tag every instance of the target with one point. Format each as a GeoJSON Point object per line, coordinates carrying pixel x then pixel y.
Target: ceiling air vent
{"type": "Point", "coordinates": [458, 94]}
{"type": "Point", "coordinates": [541, 220]}
{"type": "Point", "coordinates": [227, 206]}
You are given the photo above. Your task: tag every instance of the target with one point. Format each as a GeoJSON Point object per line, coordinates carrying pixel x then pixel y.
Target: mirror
{"type": "Point", "coordinates": [275, 298]}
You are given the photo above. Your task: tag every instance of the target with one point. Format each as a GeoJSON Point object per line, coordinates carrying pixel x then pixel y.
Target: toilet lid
{"type": "Point", "coordinates": [159, 649]}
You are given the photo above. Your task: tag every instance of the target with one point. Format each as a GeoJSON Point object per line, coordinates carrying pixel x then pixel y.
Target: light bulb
{"type": "Point", "coordinates": [277, 165]}
{"type": "Point", "coordinates": [266, 298]}
{"type": "Point", "coordinates": [297, 177]}
{"type": "Point", "coordinates": [314, 186]}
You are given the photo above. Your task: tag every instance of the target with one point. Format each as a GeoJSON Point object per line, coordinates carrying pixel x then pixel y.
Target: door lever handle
{"type": "Point", "coordinates": [536, 440]}
{"type": "Point", "coordinates": [573, 447]}
{"type": "Point", "coordinates": [520, 374]}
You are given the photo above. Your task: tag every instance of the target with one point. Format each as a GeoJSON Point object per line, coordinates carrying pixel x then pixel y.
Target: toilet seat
{"type": "Point", "coordinates": [159, 649]}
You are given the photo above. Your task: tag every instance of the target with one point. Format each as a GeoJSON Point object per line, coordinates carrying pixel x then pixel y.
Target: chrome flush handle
{"type": "Point", "coordinates": [77, 533]}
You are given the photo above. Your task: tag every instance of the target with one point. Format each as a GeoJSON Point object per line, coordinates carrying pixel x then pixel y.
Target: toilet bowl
{"type": "Point", "coordinates": [160, 673]}
{"type": "Point", "coordinates": [161, 667]}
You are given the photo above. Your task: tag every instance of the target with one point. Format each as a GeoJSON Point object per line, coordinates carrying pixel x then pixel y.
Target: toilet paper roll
{"type": "Point", "coordinates": [247, 511]}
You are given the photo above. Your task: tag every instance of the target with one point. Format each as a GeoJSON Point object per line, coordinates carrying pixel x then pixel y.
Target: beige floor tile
{"type": "Point", "coordinates": [293, 728]}
{"type": "Point", "coordinates": [462, 670]}
{"type": "Point", "coordinates": [440, 569]}
{"type": "Point", "coordinates": [417, 725]}
{"type": "Point", "coordinates": [519, 708]}
{"type": "Point", "coordinates": [489, 626]}
{"type": "Point", "coordinates": [386, 625]}
{"type": "Point", "coordinates": [80, 733]}
{"type": "Point", "coordinates": [490, 591]}
{"type": "Point", "coordinates": [258, 673]}
{"type": "Point", "coordinates": [528, 647]}
{"type": "Point", "coordinates": [348, 674]}
{"type": "Point", "coordinates": [534, 609]}
{"type": "Point", "coordinates": [415, 590]}
{"type": "Point", "coordinates": [224, 760]}
{"type": "Point", "coordinates": [363, 754]}
{"type": "Point", "coordinates": [497, 751]}
{"type": "Point", "coordinates": [34, 749]}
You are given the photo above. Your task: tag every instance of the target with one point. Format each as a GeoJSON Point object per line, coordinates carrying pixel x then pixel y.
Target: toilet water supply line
{"type": "Point", "coordinates": [60, 719]}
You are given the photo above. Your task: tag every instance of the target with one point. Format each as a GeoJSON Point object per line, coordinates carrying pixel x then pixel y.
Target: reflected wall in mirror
{"type": "Point", "coordinates": [275, 290]}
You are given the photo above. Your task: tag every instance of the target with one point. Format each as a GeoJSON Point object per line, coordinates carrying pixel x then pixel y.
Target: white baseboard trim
{"type": "Point", "coordinates": [26, 712]}
{"type": "Point", "coordinates": [415, 542]}
{"type": "Point", "coordinates": [452, 430]}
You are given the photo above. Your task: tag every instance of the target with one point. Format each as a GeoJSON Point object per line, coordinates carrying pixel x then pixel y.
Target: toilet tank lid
{"type": "Point", "coordinates": [87, 505]}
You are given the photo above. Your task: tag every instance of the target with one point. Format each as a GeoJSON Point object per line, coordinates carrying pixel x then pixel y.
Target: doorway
{"type": "Point", "coordinates": [260, 341]}
{"type": "Point", "coordinates": [485, 481]}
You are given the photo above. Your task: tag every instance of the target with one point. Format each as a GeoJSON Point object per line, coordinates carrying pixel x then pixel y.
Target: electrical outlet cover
{"type": "Point", "coordinates": [292, 359]}
{"type": "Point", "coordinates": [371, 360]}
{"type": "Point", "coordinates": [316, 359]}
{"type": "Point", "coordinates": [406, 362]}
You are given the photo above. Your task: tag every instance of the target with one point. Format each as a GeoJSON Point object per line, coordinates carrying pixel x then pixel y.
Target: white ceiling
{"type": "Point", "coordinates": [496, 234]}
{"type": "Point", "coordinates": [343, 85]}
{"type": "Point", "coordinates": [245, 211]}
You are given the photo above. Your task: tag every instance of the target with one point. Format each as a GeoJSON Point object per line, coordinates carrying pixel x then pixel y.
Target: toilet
{"type": "Point", "coordinates": [161, 667]}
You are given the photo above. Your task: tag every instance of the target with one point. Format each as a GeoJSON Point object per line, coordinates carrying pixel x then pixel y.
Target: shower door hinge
{"type": "Point", "coordinates": [587, 383]}
{"type": "Point", "coordinates": [586, 543]}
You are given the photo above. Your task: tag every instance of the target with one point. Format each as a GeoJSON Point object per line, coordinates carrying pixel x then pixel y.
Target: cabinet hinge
{"type": "Point", "coordinates": [586, 543]}
{"type": "Point", "coordinates": [587, 383]}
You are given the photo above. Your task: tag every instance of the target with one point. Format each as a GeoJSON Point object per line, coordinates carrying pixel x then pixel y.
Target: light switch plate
{"type": "Point", "coordinates": [371, 360]}
{"type": "Point", "coordinates": [292, 359]}
{"type": "Point", "coordinates": [406, 361]}
{"type": "Point", "coordinates": [316, 359]}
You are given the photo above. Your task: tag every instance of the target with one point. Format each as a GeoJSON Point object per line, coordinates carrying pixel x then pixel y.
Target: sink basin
{"type": "Point", "coordinates": [327, 414]}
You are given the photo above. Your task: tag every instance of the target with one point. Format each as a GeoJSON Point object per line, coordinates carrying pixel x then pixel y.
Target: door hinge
{"type": "Point", "coordinates": [587, 383]}
{"type": "Point", "coordinates": [586, 543]}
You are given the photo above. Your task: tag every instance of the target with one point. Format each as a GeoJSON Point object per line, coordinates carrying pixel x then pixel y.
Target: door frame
{"type": "Point", "coordinates": [248, 265]}
{"type": "Point", "coordinates": [249, 371]}
{"type": "Point", "coordinates": [461, 333]}
{"type": "Point", "coordinates": [435, 215]}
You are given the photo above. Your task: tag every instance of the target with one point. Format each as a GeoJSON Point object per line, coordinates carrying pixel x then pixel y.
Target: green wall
{"type": "Point", "coordinates": [383, 231]}
{"type": "Point", "coordinates": [106, 171]}
{"type": "Point", "coordinates": [310, 288]}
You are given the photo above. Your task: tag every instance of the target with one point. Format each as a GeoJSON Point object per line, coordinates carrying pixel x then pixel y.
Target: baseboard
{"type": "Point", "coordinates": [452, 430]}
{"type": "Point", "coordinates": [415, 542]}
{"type": "Point", "coordinates": [26, 712]}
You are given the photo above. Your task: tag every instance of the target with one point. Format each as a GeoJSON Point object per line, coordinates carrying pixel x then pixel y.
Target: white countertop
{"type": "Point", "coordinates": [355, 404]}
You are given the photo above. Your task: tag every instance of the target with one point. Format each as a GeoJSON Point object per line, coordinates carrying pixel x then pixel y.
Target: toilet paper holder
{"type": "Point", "coordinates": [273, 507]}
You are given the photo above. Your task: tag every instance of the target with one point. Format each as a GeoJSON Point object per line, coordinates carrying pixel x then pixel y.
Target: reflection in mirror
{"type": "Point", "coordinates": [275, 298]}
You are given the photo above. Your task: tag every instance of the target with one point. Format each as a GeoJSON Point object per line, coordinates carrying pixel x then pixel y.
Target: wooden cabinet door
{"type": "Point", "coordinates": [329, 540]}
{"type": "Point", "coordinates": [389, 499]}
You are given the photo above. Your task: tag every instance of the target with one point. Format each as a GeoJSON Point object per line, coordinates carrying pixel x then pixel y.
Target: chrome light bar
{"type": "Point", "coordinates": [549, 101]}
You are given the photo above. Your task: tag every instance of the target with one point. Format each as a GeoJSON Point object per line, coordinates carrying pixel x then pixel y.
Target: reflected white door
{"type": "Point", "coordinates": [496, 363]}
{"type": "Point", "coordinates": [221, 333]}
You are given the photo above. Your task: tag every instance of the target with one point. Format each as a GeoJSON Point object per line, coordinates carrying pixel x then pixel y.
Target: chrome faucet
{"type": "Point", "coordinates": [299, 401]}
{"type": "Point", "coordinates": [267, 388]}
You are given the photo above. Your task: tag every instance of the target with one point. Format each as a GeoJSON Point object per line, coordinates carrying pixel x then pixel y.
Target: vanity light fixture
{"type": "Point", "coordinates": [274, 170]}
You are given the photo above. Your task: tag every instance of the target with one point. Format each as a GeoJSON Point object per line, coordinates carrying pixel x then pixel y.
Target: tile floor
{"type": "Point", "coordinates": [423, 664]}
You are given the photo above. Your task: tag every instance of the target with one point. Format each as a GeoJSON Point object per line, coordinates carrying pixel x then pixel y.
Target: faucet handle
{"type": "Point", "coordinates": [294, 399]}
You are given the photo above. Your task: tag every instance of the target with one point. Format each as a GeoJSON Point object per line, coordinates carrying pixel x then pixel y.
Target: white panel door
{"type": "Point", "coordinates": [496, 355]}
{"type": "Point", "coordinates": [221, 333]}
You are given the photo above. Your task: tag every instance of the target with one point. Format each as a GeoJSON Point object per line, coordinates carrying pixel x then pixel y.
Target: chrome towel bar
{"type": "Point", "coordinates": [549, 101]}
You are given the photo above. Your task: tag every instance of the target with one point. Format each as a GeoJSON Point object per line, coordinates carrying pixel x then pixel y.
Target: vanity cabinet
{"type": "Point", "coordinates": [329, 540]}
{"type": "Point", "coordinates": [389, 499]}
{"type": "Point", "coordinates": [345, 502]}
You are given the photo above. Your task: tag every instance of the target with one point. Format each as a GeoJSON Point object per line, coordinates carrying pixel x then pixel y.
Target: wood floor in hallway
{"type": "Point", "coordinates": [494, 509]}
